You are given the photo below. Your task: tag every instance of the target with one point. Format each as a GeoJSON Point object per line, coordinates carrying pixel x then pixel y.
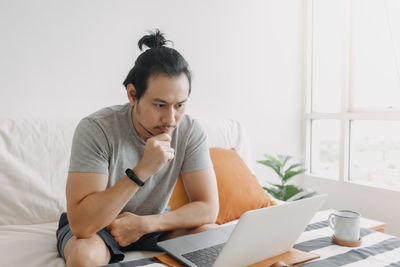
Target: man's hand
{"type": "Point", "coordinates": [128, 228]}
{"type": "Point", "coordinates": [157, 152]}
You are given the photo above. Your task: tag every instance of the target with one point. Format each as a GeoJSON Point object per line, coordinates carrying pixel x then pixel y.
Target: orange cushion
{"type": "Point", "coordinates": [179, 196]}
{"type": "Point", "coordinates": [238, 189]}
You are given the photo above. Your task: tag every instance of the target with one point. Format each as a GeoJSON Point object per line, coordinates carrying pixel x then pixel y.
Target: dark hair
{"type": "Point", "coordinates": [159, 59]}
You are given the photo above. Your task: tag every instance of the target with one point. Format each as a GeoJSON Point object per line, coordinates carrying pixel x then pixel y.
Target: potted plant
{"type": "Point", "coordinates": [285, 191]}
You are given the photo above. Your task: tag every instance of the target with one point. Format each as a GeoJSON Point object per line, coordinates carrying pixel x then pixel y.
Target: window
{"type": "Point", "coordinates": [353, 91]}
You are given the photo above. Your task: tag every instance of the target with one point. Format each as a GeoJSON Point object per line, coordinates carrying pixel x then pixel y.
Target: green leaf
{"type": "Point", "coordinates": [291, 167]}
{"type": "Point", "coordinates": [284, 159]}
{"type": "Point", "coordinates": [275, 192]}
{"type": "Point", "coordinates": [269, 163]}
{"type": "Point", "coordinates": [290, 190]}
{"type": "Point", "coordinates": [277, 185]}
{"type": "Point", "coordinates": [290, 174]}
{"type": "Point", "coordinates": [272, 165]}
{"type": "Point", "coordinates": [271, 158]}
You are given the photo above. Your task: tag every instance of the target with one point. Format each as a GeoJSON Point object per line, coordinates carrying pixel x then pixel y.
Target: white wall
{"type": "Point", "coordinates": [69, 58]}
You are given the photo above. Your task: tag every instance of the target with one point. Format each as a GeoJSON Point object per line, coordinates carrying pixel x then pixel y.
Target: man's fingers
{"type": "Point", "coordinates": [170, 156]}
{"type": "Point", "coordinates": [164, 143]}
{"type": "Point", "coordinates": [170, 150]}
{"type": "Point", "coordinates": [163, 137]}
{"type": "Point", "coordinates": [165, 147]}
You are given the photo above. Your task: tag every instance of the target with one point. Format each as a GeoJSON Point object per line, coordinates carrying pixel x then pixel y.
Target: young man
{"type": "Point", "coordinates": [125, 161]}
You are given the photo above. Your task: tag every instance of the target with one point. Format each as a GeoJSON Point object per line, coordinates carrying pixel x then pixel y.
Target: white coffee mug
{"type": "Point", "coordinates": [345, 225]}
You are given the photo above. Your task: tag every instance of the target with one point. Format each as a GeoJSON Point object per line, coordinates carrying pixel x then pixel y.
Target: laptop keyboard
{"type": "Point", "coordinates": [204, 257]}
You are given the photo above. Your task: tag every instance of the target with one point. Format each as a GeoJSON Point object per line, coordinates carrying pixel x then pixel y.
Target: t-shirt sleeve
{"type": "Point", "coordinates": [90, 148]}
{"type": "Point", "coordinates": [197, 154]}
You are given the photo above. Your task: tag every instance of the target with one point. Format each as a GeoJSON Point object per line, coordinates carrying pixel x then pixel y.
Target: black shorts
{"type": "Point", "coordinates": [146, 242]}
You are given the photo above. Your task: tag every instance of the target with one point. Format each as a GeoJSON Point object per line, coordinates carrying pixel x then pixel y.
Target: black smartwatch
{"type": "Point", "coordinates": [131, 175]}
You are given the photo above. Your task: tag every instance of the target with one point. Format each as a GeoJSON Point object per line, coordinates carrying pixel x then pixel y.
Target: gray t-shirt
{"type": "Point", "coordinates": [106, 142]}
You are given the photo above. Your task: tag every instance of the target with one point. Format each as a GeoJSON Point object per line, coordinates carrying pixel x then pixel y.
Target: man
{"type": "Point", "coordinates": [125, 161]}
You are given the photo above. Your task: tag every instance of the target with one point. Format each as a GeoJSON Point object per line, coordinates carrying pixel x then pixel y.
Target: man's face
{"type": "Point", "coordinates": [162, 106]}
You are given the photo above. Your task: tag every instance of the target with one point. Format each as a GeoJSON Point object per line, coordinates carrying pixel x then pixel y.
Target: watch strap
{"type": "Point", "coordinates": [132, 175]}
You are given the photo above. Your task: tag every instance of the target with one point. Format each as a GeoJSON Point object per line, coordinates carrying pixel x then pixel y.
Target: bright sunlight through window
{"type": "Point", "coordinates": [353, 92]}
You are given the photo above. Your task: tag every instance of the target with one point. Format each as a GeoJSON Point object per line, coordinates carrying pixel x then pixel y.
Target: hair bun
{"type": "Point", "coordinates": [153, 40]}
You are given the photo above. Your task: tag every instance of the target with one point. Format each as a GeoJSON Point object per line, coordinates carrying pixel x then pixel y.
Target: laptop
{"type": "Point", "coordinates": [257, 235]}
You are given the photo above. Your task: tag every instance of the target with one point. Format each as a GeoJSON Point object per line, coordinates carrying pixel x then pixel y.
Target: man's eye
{"type": "Point", "coordinates": [159, 105]}
{"type": "Point", "coordinates": [180, 105]}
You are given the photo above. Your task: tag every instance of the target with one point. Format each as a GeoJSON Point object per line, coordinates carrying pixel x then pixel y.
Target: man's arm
{"type": "Point", "coordinates": [201, 188]}
{"type": "Point", "coordinates": [91, 207]}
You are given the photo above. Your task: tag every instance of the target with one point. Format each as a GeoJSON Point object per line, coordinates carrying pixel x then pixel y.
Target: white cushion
{"type": "Point", "coordinates": [34, 157]}
{"type": "Point", "coordinates": [229, 134]}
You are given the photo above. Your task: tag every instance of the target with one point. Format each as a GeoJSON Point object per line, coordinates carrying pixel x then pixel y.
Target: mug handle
{"type": "Point", "coordinates": [331, 221]}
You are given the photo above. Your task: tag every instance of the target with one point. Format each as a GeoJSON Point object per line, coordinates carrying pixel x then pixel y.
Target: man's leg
{"type": "Point", "coordinates": [86, 252]}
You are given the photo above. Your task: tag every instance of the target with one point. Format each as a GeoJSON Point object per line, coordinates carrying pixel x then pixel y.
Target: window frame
{"type": "Point", "coordinates": [347, 112]}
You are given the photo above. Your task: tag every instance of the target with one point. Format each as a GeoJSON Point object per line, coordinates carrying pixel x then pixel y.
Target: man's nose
{"type": "Point", "coordinates": [169, 116]}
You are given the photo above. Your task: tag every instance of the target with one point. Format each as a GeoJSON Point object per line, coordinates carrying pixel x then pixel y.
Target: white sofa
{"type": "Point", "coordinates": [34, 157]}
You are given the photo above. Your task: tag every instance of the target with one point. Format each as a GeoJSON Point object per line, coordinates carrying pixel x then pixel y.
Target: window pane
{"type": "Point", "coordinates": [325, 148]}
{"type": "Point", "coordinates": [375, 152]}
{"type": "Point", "coordinates": [375, 54]}
{"type": "Point", "coordinates": [328, 57]}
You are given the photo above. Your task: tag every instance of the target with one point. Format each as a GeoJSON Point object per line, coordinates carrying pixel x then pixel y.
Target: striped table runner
{"type": "Point", "coordinates": [377, 249]}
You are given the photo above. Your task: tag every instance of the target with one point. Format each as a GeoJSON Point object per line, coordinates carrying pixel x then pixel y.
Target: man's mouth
{"type": "Point", "coordinates": [165, 129]}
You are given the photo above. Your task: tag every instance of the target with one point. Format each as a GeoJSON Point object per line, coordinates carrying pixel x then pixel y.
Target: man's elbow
{"type": "Point", "coordinates": [81, 229]}
{"type": "Point", "coordinates": [213, 210]}
{"type": "Point", "coordinates": [82, 232]}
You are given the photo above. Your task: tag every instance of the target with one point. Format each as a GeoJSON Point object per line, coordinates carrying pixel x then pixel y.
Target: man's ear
{"type": "Point", "coordinates": [131, 93]}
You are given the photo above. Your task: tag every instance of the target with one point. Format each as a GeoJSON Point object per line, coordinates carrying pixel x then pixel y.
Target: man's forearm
{"type": "Point", "coordinates": [99, 209]}
{"type": "Point", "coordinates": [188, 216]}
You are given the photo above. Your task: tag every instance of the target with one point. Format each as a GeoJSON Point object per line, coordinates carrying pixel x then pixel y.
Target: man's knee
{"type": "Point", "coordinates": [86, 252]}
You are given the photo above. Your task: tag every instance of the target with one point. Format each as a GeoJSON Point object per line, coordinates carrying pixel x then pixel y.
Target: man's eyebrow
{"type": "Point", "coordinates": [159, 100]}
{"type": "Point", "coordinates": [166, 102]}
{"type": "Point", "coordinates": [183, 101]}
